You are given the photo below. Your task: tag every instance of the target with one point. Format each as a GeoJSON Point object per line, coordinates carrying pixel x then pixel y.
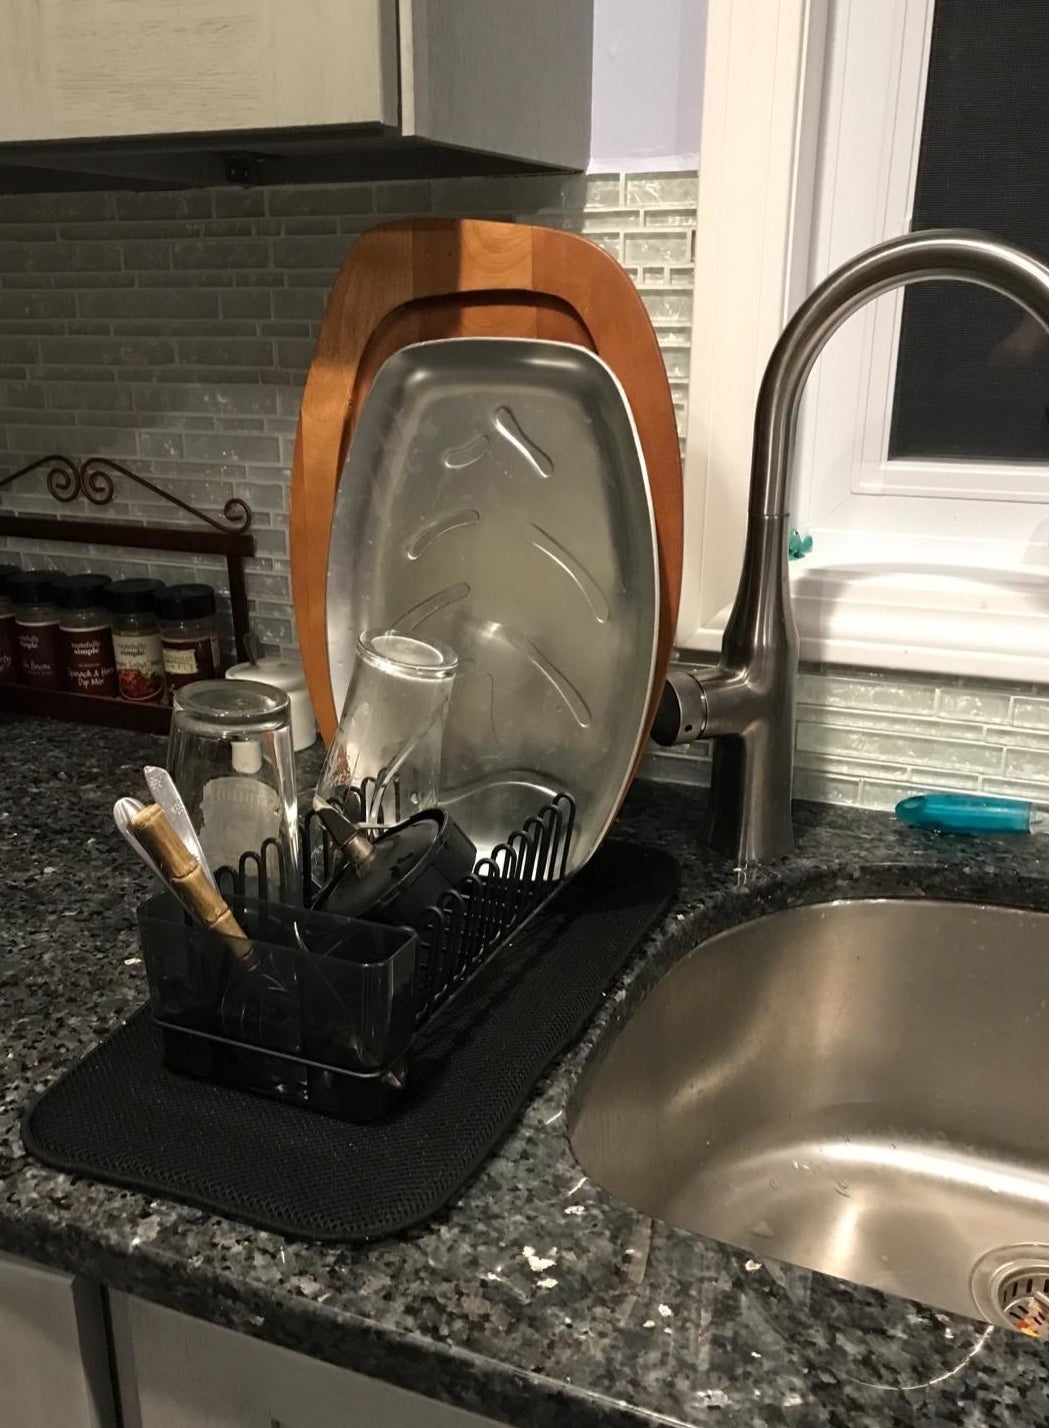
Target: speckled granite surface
{"type": "Point", "coordinates": [536, 1299]}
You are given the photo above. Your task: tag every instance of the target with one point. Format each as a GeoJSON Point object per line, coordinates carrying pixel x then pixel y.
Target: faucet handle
{"type": "Point", "coordinates": [682, 713]}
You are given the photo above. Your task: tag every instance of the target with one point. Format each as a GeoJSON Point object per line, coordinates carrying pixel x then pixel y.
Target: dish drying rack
{"type": "Point", "coordinates": [322, 1010]}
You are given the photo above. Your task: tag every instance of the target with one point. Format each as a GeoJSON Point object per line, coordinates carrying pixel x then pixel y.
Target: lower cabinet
{"type": "Point", "coordinates": [54, 1357]}
{"type": "Point", "coordinates": [175, 1371]}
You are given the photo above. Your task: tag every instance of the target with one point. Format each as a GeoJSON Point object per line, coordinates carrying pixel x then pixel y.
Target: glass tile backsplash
{"type": "Point", "coordinates": [172, 331]}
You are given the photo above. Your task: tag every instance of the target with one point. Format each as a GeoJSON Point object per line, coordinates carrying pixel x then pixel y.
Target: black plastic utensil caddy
{"type": "Point", "coordinates": [321, 1010]}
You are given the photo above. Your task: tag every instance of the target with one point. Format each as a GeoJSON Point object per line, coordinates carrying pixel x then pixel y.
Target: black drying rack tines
{"type": "Point", "coordinates": [324, 1010]}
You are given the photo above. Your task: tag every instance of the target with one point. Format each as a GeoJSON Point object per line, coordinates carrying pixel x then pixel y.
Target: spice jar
{"type": "Point", "coordinates": [86, 642]}
{"type": "Point", "coordinates": [136, 639]}
{"type": "Point", "coordinates": [36, 628]}
{"type": "Point", "coordinates": [189, 633]}
{"type": "Point", "coordinates": [8, 641]}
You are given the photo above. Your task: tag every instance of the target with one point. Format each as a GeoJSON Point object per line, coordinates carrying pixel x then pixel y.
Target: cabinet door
{"type": "Point", "coordinates": [503, 76]}
{"type": "Point", "coordinates": [178, 1372]}
{"type": "Point", "coordinates": [54, 1363]}
{"type": "Point", "coordinates": [91, 69]}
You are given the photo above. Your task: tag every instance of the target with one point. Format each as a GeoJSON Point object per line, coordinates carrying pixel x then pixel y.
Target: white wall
{"type": "Point", "coordinates": [648, 84]}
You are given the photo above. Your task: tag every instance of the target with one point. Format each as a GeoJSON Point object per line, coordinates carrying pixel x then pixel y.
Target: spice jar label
{"type": "Point", "coordinates": [8, 650]}
{"type": "Point", "coordinates": [188, 660]}
{"type": "Point", "coordinates": [38, 652]}
{"type": "Point", "coordinates": [90, 667]}
{"type": "Point", "coordinates": [140, 666]}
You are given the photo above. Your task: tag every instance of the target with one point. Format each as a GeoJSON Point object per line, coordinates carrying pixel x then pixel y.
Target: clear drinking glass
{"type": "Point", "coordinates": [230, 755]}
{"type": "Point", "coordinates": [384, 763]}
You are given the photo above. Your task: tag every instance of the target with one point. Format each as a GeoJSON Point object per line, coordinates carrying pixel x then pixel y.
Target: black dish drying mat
{"type": "Point", "coordinates": [120, 1116]}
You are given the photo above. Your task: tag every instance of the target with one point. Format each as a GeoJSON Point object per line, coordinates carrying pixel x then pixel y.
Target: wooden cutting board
{"type": "Point", "coordinates": [418, 279]}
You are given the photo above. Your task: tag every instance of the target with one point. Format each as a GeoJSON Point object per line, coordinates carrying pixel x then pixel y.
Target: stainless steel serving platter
{"type": "Point", "coordinates": [495, 497]}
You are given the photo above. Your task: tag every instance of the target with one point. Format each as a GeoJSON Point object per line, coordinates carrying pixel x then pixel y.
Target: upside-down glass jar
{"type": "Point", "coordinates": [384, 763]}
{"type": "Point", "coordinates": [230, 754]}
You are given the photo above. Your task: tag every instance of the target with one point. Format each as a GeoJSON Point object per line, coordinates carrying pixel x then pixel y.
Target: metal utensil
{"type": "Point", "coordinates": [496, 499]}
{"type": "Point", "coordinates": [162, 786]}
{"type": "Point", "coordinates": [124, 810]}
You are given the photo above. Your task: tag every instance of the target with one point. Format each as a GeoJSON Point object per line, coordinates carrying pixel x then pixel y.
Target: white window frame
{"type": "Point", "coordinates": [811, 125]}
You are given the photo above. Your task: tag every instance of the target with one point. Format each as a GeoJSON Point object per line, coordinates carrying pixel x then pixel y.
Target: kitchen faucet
{"type": "Point", "coordinates": [746, 703]}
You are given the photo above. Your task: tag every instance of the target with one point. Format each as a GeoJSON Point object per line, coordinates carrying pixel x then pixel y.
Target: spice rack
{"type": "Point", "coordinates": [95, 480]}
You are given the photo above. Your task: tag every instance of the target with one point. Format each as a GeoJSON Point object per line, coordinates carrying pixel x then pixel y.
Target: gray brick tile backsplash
{"type": "Point", "coordinates": [652, 190]}
{"type": "Point", "coordinates": [241, 202]}
{"type": "Point", "coordinates": [311, 225]}
{"type": "Point", "coordinates": [251, 352]}
{"type": "Point", "coordinates": [319, 252]}
{"type": "Point", "coordinates": [670, 218]}
{"type": "Point", "coordinates": [610, 221]}
{"type": "Point", "coordinates": [19, 395]}
{"type": "Point", "coordinates": [407, 197]}
{"type": "Point", "coordinates": [55, 256]}
{"type": "Point", "coordinates": [185, 203]}
{"type": "Point", "coordinates": [144, 253]}
{"type": "Point", "coordinates": [1031, 713]}
{"type": "Point", "coordinates": [16, 349]}
{"type": "Point", "coordinates": [336, 199]}
{"type": "Point", "coordinates": [145, 303]}
{"type": "Point", "coordinates": [243, 302]}
{"type": "Point", "coordinates": [29, 304]}
{"type": "Point", "coordinates": [174, 330]}
{"type": "Point", "coordinates": [652, 246]}
{"type": "Point", "coordinates": [909, 749]}
{"type": "Point", "coordinates": [263, 449]}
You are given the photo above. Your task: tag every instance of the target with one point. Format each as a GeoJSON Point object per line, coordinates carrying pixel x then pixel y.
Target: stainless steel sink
{"type": "Point", "coordinates": [856, 1087]}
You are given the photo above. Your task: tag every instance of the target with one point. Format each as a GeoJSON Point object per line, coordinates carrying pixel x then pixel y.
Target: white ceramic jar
{"type": "Point", "coordinates": [286, 674]}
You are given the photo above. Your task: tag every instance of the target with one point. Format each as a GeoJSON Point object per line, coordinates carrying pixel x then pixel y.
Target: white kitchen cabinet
{"type": "Point", "coordinates": [91, 69]}
{"type": "Point", "coordinates": [54, 1361]}
{"type": "Point", "coordinates": [270, 91]}
{"type": "Point", "coordinates": [175, 1371]}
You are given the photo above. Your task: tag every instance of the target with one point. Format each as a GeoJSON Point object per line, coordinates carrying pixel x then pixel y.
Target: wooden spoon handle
{"type": "Point", "coordinates": [188, 878]}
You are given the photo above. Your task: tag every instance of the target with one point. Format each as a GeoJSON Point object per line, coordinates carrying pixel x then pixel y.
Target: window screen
{"type": "Point", "coordinates": [973, 370]}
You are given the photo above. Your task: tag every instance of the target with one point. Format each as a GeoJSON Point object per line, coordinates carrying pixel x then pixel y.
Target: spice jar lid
{"type": "Point", "coordinates": [6, 571]}
{"type": "Point", "coordinates": [186, 602]}
{"type": "Point", "coordinates": [132, 597]}
{"type": "Point", "coordinates": [80, 592]}
{"type": "Point", "coordinates": [32, 587]}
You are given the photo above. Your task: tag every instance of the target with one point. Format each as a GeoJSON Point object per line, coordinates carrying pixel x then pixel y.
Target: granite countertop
{"type": "Point", "coordinates": [536, 1299]}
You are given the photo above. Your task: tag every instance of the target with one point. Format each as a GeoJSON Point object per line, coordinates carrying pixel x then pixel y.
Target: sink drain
{"type": "Point", "coordinates": [1011, 1289]}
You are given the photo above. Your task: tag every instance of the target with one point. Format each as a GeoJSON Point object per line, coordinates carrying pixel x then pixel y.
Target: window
{"type": "Point", "coordinates": [922, 478]}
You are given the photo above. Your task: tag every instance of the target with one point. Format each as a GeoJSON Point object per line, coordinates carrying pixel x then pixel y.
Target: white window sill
{"type": "Point", "coordinates": [986, 623]}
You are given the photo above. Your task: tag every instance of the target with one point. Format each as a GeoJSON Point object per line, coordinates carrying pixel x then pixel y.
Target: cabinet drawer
{"type": "Point", "coordinates": [54, 1365]}
{"type": "Point", "coordinates": [179, 1372]}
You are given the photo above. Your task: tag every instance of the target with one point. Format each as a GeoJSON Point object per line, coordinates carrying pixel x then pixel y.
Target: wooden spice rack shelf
{"type": "Point", "coordinates": [94, 481]}
{"type": "Point", "coordinates": [84, 708]}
